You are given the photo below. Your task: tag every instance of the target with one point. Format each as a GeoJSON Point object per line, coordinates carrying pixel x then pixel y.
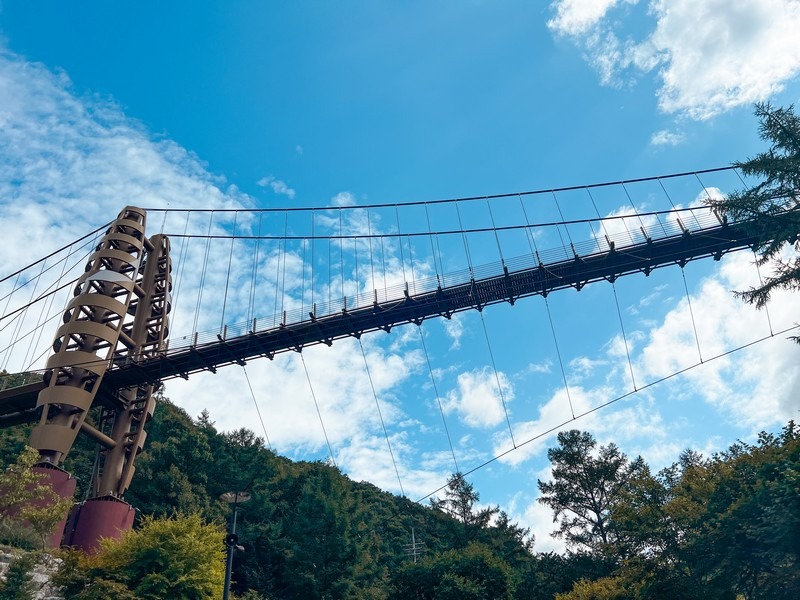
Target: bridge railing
{"type": "Point", "coordinates": [648, 226]}
{"type": "Point", "coordinates": [13, 380]}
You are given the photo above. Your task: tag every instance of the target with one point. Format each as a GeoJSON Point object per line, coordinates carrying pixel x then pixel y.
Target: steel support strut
{"type": "Point", "coordinates": [148, 334]}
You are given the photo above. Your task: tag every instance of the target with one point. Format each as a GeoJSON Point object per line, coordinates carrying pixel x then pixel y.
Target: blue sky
{"type": "Point", "coordinates": [309, 104]}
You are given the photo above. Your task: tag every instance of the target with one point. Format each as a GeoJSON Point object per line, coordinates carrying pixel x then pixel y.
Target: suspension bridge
{"type": "Point", "coordinates": [252, 283]}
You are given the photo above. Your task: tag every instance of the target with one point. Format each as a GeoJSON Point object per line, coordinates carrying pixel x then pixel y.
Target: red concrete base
{"type": "Point", "coordinates": [103, 517]}
{"type": "Point", "coordinates": [62, 484]}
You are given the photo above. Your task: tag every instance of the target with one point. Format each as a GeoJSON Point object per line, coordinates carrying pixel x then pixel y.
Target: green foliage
{"type": "Point", "coordinates": [772, 205]}
{"type": "Point", "coordinates": [19, 584]}
{"type": "Point", "coordinates": [459, 502]}
{"type": "Point", "coordinates": [472, 572]}
{"type": "Point", "coordinates": [704, 528]}
{"type": "Point", "coordinates": [13, 441]}
{"type": "Point", "coordinates": [27, 504]}
{"type": "Point", "coordinates": [181, 557]}
{"type": "Point", "coordinates": [308, 531]}
{"type": "Point", "coordinates": [250, 595]}
{"type": "Point", "coordinates": [605, 588]}
{"type": "Point", "coordinates": [550, 573]}
{"type": "Point", "coordinates": [80, 577]}
{"type": "Point", "coordinates": [178, 557]}
{"type": "Point", "coordinates": [173, 472]}
{"type": "Point", "coordinates": [103, 589]}
{"type": "Point", "coordinates": [72, 576]}
{"type": "Point", "coordinates": [753, 517]}
{"type": "Point", "coordinates": [722, 527]}
{"type": "Point", "coordinates": [585, 488]}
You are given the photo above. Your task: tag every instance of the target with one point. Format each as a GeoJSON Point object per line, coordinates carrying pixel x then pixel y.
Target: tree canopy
{"type": "Point", "coordinates": [772, 206]}
{"type": "Point", "coordinates": [27, 505]}
{"type": "Point", "coordinates": [178, 557]}
{"type": "Point", "coordinates": [585, 488]}
{"type": "Point", "coordinates": [721, 527]}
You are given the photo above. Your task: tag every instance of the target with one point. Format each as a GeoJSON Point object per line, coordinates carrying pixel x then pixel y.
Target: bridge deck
{"type": "Point", "coordinates": [508, 284]}
{"type": "Point", "coordinates": [18, 398]}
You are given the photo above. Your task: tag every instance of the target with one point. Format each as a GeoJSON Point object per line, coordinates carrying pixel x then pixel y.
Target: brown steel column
{"type": "Point", "coordinates": [121, 430]}
{"type": "Point", "coordinates": [119, 314]}
{"type": "Point", "coordinates": [149, 332]}
{"type": "Point", "coordinates": [85, 344]}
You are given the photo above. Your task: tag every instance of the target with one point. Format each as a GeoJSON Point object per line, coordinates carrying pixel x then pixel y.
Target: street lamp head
{"type": "Point", "coordinates": [235, 497]}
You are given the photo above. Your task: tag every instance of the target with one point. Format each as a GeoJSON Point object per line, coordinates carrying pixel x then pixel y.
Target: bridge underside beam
{"type": "Point", "coordinates": [505, 287]}
{"type": "Point", "coordinates": [18, 405]}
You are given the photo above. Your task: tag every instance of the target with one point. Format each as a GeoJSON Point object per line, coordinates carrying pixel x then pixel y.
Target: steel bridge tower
{"type": "Point", "coordinates": [119, 314]}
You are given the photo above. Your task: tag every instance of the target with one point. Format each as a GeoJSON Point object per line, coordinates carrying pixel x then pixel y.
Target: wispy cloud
{"type": "Point", "coordinates": [667, 138]}
{"type": "Point", "coordinates": [344, 199]}
{"type": "Point", "coordinates": [454, 329]}
{"type": "Point", "coordinates": [277, 186]}
{"type": "Point", "coordinates": [69, 164]}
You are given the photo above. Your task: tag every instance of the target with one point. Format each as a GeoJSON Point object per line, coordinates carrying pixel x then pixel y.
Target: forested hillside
{"type": "Point", "coordinates": [703, 528]}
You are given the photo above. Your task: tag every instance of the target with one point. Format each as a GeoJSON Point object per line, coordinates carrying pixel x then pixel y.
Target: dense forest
{"type": "Point", "coordinates": [726, 526]}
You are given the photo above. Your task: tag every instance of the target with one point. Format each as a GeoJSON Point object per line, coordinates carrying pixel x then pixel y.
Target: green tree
{"type": "Point", "coordinates": [172, 471]}
{"type": "Point", "coordinates": [472, 573]}
{"type": "Point", "coordinates": [317, 546]}
{"type": "Point", "coordinates": [27, 503]}
{"type": "Point", "coordinates": [752, 529]}
{"type": "Point", "coordinates": [772, 206]}
{"type": "Point", "coordinates": [509, 541]}
{"type": "Point", "coordinates": [460, 499]}
{"type": "Point", "coordinates": [714, 528]}
{"type": "Point", "coordinates": [19, 584]}
{"type": "Point", "coordinates": [13, 440]}
{"type": "Point", "coordinates": [605, 588]}
{"type": "Point", "coordinates": [584, 489]}
{"type": "Point", "coordinates": [179, 557]}
{"type": "Point", "coordinates": [553, 573]}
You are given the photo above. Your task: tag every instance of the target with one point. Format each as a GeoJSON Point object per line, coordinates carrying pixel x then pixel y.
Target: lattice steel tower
{"type": "Point", "coordinates": [119, 313]}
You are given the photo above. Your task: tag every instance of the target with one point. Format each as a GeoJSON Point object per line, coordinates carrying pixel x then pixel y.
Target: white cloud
{"type": "Point", "coordinates": [583, 366]}
{"type": "Point", "coordinates": [277, 186]}
{"type": "Point", "coordinates": [709, 55]}
{"type": "Point", "coordinates": [454, 329]}
{"type": "Point", "coordinates": [69, 164]}
{"type": "Point", "coordinates": [478, 401]}
{"type": "Point", "coordinates": [752, 388]}
{"type": "Point", "coordinates": [666, 138]}
{"type": "Point", "coordinates": [554, 415]}
{"type": "Point", "coordinates": [715, 55]}
{"type": "Point", "coordinates": [539, 518]}
{"type": "Point", "coordinates": [707, 194]}
{"type": "Point", "coordinates": [543, 367]}
{"type": "Point", "coordinates": [344, 199]}
{"type": "Point", "coordinates": [577, 17]}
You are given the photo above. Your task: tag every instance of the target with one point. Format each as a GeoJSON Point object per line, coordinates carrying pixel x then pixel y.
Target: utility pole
{"type": "Point", "coordinates": [415, 548]}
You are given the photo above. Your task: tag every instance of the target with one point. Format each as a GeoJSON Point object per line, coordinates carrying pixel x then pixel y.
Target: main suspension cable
{"type": "Point", "coordinates": [608, 403]}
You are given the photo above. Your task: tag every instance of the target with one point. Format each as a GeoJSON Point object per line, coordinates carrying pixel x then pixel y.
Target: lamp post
{"type": "Point", "coordinates": [231, 539]}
